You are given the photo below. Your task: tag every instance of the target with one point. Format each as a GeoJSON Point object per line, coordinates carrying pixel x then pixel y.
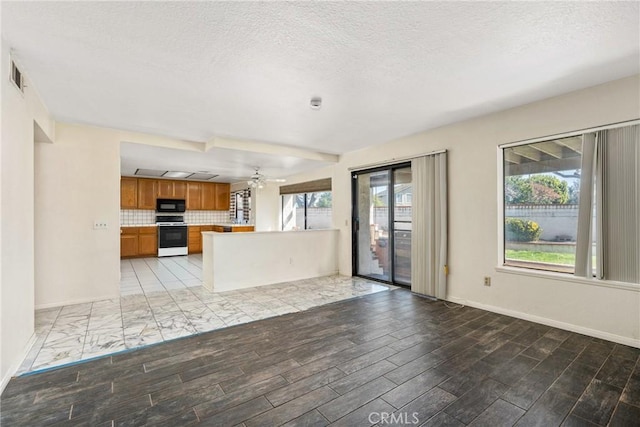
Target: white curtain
{"type": "Point", "coordinates": [610, 188]}
{"type": "Point", "coordinates": [585, 207]}
{"type": "Point", "coordinates": [429, 222]}
{"type": "Point", "coordinates": [619, 214]}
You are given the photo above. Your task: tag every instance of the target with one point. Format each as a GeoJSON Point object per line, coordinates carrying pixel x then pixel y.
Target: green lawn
{"type": "Point", "coordinates": [544, 257]}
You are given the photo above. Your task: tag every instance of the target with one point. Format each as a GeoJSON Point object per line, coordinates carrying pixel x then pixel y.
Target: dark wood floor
{"type": "Point", "coordinates": [349, 364]}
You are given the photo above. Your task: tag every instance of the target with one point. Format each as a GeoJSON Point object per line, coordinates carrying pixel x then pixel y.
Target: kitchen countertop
{"type": "Point", "coordinates": [222, 224]}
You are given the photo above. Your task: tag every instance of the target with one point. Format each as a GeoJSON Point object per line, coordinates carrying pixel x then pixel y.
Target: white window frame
{"type": "Point", "coordinates": [524, 271]}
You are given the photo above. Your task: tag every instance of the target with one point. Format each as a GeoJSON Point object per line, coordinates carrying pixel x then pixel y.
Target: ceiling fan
{"type": "Point", "coordinates": [258, 180]}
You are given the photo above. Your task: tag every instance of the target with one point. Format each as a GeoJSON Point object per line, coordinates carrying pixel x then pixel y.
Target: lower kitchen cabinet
{"type": "Point", "coordinates": [148, 241]}
{"type": "Point", "coordinates": [128, 242]}
{"type": "Point", "coordinates": [195, 237]}
{"type": "Point", "coordinates": [243, 228]}
{"type": "Point", "coordinates": [138, 241]}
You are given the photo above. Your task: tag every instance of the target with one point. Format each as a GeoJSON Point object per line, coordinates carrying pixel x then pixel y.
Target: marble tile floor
{"type": "Point", "coordinates": [170, 302]}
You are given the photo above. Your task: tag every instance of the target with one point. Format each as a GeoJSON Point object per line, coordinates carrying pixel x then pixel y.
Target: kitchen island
{"type": "Point", "coordinates": [242, 260]}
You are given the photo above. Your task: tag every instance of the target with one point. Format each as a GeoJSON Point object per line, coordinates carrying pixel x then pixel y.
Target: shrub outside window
{"type": "Point", "coordinates": [541, 190]}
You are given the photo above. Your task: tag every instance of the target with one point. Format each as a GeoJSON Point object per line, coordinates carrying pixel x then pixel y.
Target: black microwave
{"type": "Point", "coordinates": [170, 205]}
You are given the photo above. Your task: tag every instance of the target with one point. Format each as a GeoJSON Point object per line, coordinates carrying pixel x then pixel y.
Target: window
{"type": "Point", "coordinates": [241, 206]}
{"type": "Point", "coordinates": [306, 211]}
{"type": "Point", "coordinates": [572, 204]}
{"type": "Point", "coordinates": [306, 205]}
{"type": "Point", "coordinates": [541, 190]}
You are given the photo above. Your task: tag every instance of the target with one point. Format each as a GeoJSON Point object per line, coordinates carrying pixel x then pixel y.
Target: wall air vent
{"type": "Point", "coordinates": [16, 77]}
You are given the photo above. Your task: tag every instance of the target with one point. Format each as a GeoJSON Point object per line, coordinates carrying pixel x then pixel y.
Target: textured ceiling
{"type": "Point", "coordinates": [196, 70]}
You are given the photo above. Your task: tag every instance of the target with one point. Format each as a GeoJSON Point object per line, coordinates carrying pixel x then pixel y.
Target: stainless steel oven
{"type": "Point", "coordinates": [172, 236]}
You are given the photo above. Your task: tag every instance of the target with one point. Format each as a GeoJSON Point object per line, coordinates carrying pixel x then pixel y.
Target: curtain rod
{"type": "Point", "coordinates": [395, 160]}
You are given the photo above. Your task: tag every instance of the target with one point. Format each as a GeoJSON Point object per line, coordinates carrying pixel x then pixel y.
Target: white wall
{"type": "Point", "coordinates": [265, 203]}
{"type": "Point", "coordinates": [241, 260]}
{"type": "Point", "coordinates": [19, 111]}
{"type": "Point", "coordinates": [77, 182]}
{"type": "Point", "coordinates": [610, 313]}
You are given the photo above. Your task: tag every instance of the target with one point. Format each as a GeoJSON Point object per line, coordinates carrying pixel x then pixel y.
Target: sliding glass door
{"type": "Point", "coordinates": [402, 195]}
{"type": "Point", "coordinates": [382, 224]}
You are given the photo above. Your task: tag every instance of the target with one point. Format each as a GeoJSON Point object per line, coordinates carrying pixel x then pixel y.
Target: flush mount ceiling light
{"type": "Point", "coordinates": [315, 103]}
{"type": "Point", "coordinates": [176, 174]}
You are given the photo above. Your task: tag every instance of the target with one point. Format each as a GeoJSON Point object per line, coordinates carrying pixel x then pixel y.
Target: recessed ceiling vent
{"type": "Point", "coordinates": [16, 77]}
{"type": "Point", "coordinates": [149, 172]}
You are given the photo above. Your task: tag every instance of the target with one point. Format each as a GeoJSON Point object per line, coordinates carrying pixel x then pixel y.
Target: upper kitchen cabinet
{"type": "Point", "coordinates": [209, 196]}
{"type": "Point", "coordinates": [194, 196]}
{"type": "Point", "coordinates": [128, 193]}
{"type": "Point", "coordinates": [223, 193]}
{"type": "Point", "coordinates": [141, 193]}
{"type": "Point", "coordinates": [172, 189]}
{"type": "Point", "coordinates": [213, 197]}
{"type": "Point", "coordinates": [147, 193]}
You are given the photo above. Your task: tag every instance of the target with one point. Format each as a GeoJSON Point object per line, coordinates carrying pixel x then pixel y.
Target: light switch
{"type": "Point", "coordinates": [100, 225]}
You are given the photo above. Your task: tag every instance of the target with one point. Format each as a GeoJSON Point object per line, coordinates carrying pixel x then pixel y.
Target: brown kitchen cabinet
{"type": "Point", "coordinates": [138, 241]}
{"type": "Point", "coordinates": [147, 193]}
{"type": "Point", "coordinates": [168, 189]}
{"type": "Point", "coordinates": [223, 193]}
{"type": "Point", "coordinates": [242, 229]}
{"type": "Point", "coordinates": [128, 193]}
{"type": "Point", "coordinates": [194, 239]}
{"type": "Point", "coordinates": [194, 196]}
{"type": "Point", "coordinates": [141, 193]}
{"type": "Point", "coordinates": [208, 196]}
{"type": "Point", "coordinates": [147, 241]}
{"type": "Point", "coordinates": [128, 242]}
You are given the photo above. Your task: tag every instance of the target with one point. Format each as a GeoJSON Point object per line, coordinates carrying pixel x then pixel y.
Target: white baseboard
{"type": "Point", "coordinates": [550, 322]}
{"type": "Point", "coordinates": [77, 301]}
{"type": "Point", "coordinates": [16, 364]}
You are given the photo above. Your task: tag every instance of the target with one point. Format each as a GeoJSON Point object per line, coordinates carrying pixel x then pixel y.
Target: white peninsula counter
{"type": "Point", "coordinates": [243, 260]}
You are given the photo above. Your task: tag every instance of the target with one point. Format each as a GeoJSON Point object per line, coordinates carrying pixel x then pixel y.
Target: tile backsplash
{"type": "Point", "coordinates": [206, 217]}
{"type": "Point", "coordinates": [137, 217]}
{"type": "Point", "coordinates": [147, 217]}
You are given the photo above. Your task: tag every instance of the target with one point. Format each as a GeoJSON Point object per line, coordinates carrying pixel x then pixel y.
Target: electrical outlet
{"type": "Point", "coordinates": [100, 225]}
{"type": "Point", "coordinates": [487, 281]}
